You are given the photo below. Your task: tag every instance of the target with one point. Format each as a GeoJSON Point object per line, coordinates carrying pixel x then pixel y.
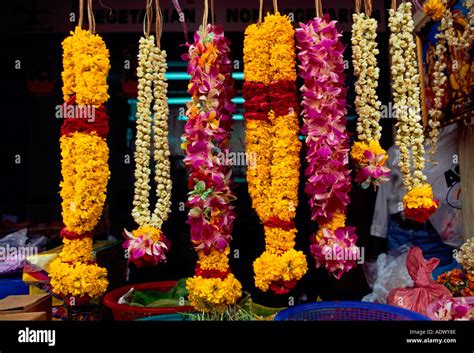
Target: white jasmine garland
{"type": "Point", "coordinates": [364, 51]}
{"type": "Point", "coordinates": [438, 84]}
{"type": "Point", "coordinates": [465, 41]}
{"type": "Point", "coordinates": [406, 94]}
{"type": "Point", "coordinates": [152, 91]}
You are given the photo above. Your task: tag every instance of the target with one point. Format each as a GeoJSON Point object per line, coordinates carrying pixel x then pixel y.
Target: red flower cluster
{"type": "Point", "coordinates": [98, 122]}
{"type": "Point", "coordinates": [259, 99]}
{"type": "Point", "coordinates": [275, 222]}
{"type": "Point", "coordinates": [420, 214]}
{"type": "Point", "coordinates": [211, 273]}
{"type": "Point", "coordinates": [67, 234]}
{"type": "Point", "coordinates": [282, 287]}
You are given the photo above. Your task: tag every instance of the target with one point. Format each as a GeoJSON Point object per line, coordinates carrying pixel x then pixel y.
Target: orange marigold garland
{"type": "Point", "coordinates": [84, 167]}
{"type": "Point", "coordinates": [271, 113]}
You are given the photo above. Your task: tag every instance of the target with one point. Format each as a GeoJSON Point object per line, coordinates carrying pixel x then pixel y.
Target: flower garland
{"type": "Point", "coordinates": [454, 41]}
{"type": "Point", "coordinates": [206, 136]}
{"type": "Point", "coordinates": [465, 256]}
{"type": "Point", "coordinates": [271, 113]}
{"type": "Point", "coordinates": [419, 201]}
{"type": "Point", "coordinates": [84, 167]}
{"type": "Point", "coordinates": [367, 153]}
{"type": "Point", "coordinates": [324, 124]}
{"type": "Point", "coordinates": [434, 9]}
{"type": "Point", "coordinates": [147, 245]}
{"type": "Point", "coordinates": [439, 81]}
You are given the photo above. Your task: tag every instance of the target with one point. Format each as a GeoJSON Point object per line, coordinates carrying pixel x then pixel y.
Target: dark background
{"type": "Point", "coordinates": [30, 189]}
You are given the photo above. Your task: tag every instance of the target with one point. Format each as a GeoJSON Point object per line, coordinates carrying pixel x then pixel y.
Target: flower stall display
{"type": "Point", "coordinates": [465, 256]}
{"type": "Point", "coordinates": [271, 115]}
{"type": "Point", "coordinates": [459, 282]}
{"type": "Point", "coordinates": [419, 202]}
{"type": "Point", "coordinates": [448, 308]}
{"type": "Point", "coordinates": [447, 41]}
{"type": "Point", "coordinates": [367, 154]}
{"type": "Point", "coordinates": [320, 53]}
{"type": "Point", "coordinates": [84, 168]}
{"type": "Point", "coordinates": [206, 136]}
{"type": "Point", "coordinates": [147, 245]}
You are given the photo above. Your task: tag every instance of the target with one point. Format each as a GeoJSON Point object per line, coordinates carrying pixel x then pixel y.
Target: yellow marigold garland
{"type": "Point", "coordinates": [269, 58]}
{"type": "Point", "coordinates": [86, 66]}
{"type": "Point", "coordinates": [85, 175]}
{"type": "Point", "coordinates": [84, 167]}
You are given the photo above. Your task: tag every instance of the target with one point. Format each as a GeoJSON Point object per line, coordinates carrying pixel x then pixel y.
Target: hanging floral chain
{"type": "Point", "coordinates": [320, 52]}
{"type": "Point", "coordinates": [419, 201]}
{"type": "Point", "coordinates": [367, 154]}
{"type": "Point", "coordinates": [271, 113]}
{"type": "Point", "coordinates": [205, 139]}
{"type": "Point", "coordinates": [446, 36]}
{"type": "Point", "coordinates": [147, 245]}
{"type": "Point", "coordinates": [84, 167]}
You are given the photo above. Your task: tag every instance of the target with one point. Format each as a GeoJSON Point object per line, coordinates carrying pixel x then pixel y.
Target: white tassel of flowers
{"type": "Point", "coordinates": [407, 96]}
{"type": "Point", "coordinates": [364, 46]}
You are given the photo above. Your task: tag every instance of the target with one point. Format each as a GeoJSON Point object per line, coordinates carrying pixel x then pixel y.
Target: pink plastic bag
{"type": "Point", "coordinates": [424, 291]}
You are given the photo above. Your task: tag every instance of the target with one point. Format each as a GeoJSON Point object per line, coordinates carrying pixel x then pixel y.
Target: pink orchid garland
{"type": "Point", "coordinates": [206, 138]}
{"type": "Point", "coordinates": [324, 124]}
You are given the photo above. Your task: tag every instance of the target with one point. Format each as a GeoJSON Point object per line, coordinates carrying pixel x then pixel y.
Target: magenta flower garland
{"type": "Point", "coordinates": [324, 124]}
{"type": "Point", "coordinates": [205, 140]}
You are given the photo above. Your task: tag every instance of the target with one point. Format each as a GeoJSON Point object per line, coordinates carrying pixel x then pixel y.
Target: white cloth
{"type": "Point", "coordinates": [445, 180]}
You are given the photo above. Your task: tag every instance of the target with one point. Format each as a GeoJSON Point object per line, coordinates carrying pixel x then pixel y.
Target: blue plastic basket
{"type": "Point", "coordinates": [347, 311]}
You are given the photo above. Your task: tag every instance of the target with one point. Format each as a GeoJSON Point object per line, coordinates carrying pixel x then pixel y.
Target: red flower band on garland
{"type": "Point", "coordinates": [97, 122]}
{"type": "Point", "coordinates": [283, 97]}
{"type": "Point", "coordinates": [275, 222]}
{"type": "Point", "coordinates": [257, 104]}
{"type": "Point", "coordinates": [420, 214]}
{"type": "Point", "coordinates": [211, 273]}
{"type": "Point", "coordinates": [282, 287]}
{"type": "Point", "coordinates": [73, 235]}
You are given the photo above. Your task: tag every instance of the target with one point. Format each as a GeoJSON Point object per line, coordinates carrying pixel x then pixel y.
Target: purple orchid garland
{"type": "Point", "coordinates": [324, 124]}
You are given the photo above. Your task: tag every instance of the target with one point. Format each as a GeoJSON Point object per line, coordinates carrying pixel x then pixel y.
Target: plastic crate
{"type": "Point", "coordinates": [12, 286]}
{"type": "Point", "coordinates": [347, 311]}
{"type": "Point", "coordinates": [124, 312]}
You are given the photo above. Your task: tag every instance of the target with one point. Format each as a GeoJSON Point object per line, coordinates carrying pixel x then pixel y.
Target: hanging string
{"type": "Point", "coordinates": [147, 18]}
{"type": "Point", "coordinates": [394, 4]}
{"type": "Point", "coordinates": [260, 13]}
{"type": "Point", "coordinates": [90, 16]}
{"type": "Point", "coordinates": [159, 23]}
{"type": "Point", "coordinates": [275, 6]}
{"type": "Point", "coordinates": [111, 10]}
{"type": "Point", "coordinates": [81, 11]}
{"type": "Point", "coordinates": [182, 19]}
{"type": "Point", "coordinates": [212, 12]}
{"type": "Point", "coordinates": [368, 7]}
{"type": "Point", "coordinates": [357, 6]}
{"type": "Point", "coordinates": [205, 18]}
{"type": "Point", "coordinates": [319, 8]}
